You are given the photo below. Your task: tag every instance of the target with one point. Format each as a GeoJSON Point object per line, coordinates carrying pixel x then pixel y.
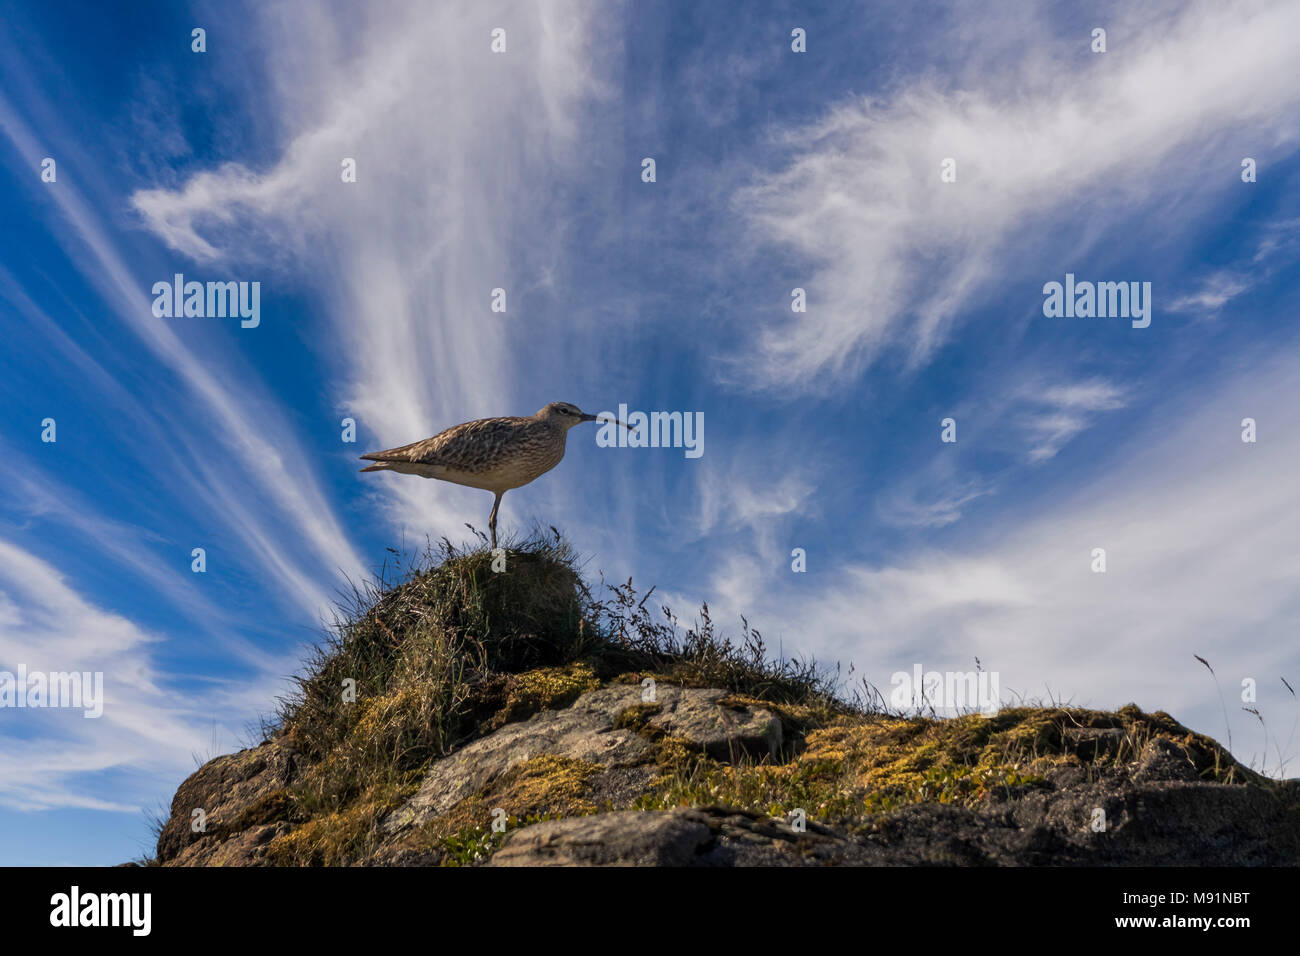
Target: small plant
{"type": "Point", "coordinates": [471, 845]}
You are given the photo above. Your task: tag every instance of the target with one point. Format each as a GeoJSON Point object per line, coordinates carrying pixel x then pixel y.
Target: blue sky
{"type": "Point", "coordinates": [521, 170]}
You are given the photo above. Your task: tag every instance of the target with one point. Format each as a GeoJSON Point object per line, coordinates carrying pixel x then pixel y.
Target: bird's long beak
{"type": "Point", "coordinates": [596, 418]}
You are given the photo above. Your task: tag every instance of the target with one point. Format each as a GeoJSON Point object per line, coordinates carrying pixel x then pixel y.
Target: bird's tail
{"type": "Point", "coordinates": [382, 466]}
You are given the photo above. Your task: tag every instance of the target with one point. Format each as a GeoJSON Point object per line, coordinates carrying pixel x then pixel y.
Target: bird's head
{"type": "Point", "coordinates": [566, 416]}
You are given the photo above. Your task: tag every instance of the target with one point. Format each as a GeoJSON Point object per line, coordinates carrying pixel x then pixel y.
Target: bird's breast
{"type": "Point", "coordinates": [514, 464]}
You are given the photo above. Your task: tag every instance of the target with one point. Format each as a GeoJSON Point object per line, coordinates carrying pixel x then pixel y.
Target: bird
{"type": "Point", "coordinates": [495, 454]}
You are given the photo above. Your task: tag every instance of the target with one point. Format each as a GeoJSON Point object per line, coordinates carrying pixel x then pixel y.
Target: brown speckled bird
{"type": "Point", "coordinates": [495, 454]}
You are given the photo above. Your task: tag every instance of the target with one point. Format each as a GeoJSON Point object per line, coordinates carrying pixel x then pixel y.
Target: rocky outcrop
{"type": "Point", "coordinates": [1165, 823]}
{"type": "Point", "coordinates": [611, 728]}
{"type": "Point", "coordinates": [229, 809]}
{"type": "Point", "coordinates": [1114, 789]}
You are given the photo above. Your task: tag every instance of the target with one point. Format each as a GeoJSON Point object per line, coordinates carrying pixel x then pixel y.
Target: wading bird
{"type": "Point", "coordinates": [495, 454]}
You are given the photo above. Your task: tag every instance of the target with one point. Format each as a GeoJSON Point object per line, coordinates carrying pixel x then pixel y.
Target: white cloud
{"type": "Point", "coordinates": [457, 149]}
{"type": "Point", "coordinates": [1059, 413]}
{"type": "Point", "coordinates": [739, 499]}
{"type": "Point", "coordinates": [37, 495]}
{"type": "Point", "coordinates": [934, 507]}
{"type": "Point", "coordinates": [1214, 293]}
{"type": "Point", "coordinates": [896, 256]}
{"type": "Point", "coordinates": [240, 437]}
{"type": "Point", "coordinates": [1275, 250]}
{"type": "Point", "coordinates": [1043, 419]}
{"type": "Point", "coordinates": [1199, 530]}
{"type": "Point", "coordinates": [48, 754]}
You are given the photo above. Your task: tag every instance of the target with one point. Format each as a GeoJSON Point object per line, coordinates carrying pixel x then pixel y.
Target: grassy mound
{"type": "Point", "coordinates": [434, 654]}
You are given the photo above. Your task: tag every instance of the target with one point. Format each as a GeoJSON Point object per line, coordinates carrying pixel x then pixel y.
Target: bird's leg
{"type": "Point", "coordinates": [492, 521]}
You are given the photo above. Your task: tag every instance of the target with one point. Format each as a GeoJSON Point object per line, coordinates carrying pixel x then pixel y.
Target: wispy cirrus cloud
{"type": "Point", "coordinates": [48, 753]}
{"type": "Point", "coordinates": [1276, 249]}
{"type": "Point", "coordinates": [895, 256]}
{"type": "Point", "coordinates": [1215, 292]}
{"type": "Point", "coordinates": [737, 501]}
{"type": "Point", "coordinates": [245, 427]}
{"type": "Point", "coordinates": [936, 506]}
{"type": "Point", "coordinates": [1021, 421]}
{"type": "Point", "coordinates": [1059, 413]}
{"type": "Point", "coordinates": [445, 208]}
{"type": "Point", "coordinates": [1199, 538]}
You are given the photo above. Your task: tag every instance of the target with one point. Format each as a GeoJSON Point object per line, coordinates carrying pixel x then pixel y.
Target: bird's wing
{"type": "Point", "coordinates": [468, 447]}
{"type": "Point", "coordinates": [419, 451]}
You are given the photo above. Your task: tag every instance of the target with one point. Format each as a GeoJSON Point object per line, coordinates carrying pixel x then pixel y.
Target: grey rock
{"type": "Point", "coordinates": [1162, 759]}
{"type": "Point", "coordinates": [244, 848]}
{"type": "Point", "coordinates": [1093, 743]}
{"type": "Point", "coordinates": [1169, 824]}
{"type": "Point", "coordinates": [626, 838]}
{"type": "Point", "coordinates": [586, 731]}
{"type": "Point", "coordinates": [688, 836]}
{"type": "Point", "coordinates": [225, 789]}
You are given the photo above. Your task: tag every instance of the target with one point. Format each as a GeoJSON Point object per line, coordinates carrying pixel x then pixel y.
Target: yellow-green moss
{"type": "Point", "coordinates": [685, 679]}
{"type": "Point", "coordinates": [542, 788]}
{"type": "Point", "coordinates": [338, 838]}
{"type": "Point", "coordinates": [546, 787]}
{"type": "Point", "coordinates": [546, 688]}
{"type": "Point", "coordinates": [278, 805]}
{"type": "Point", "coordinates": [636, 716]}
{"type": "Point", "coordinates": [859, 766]}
